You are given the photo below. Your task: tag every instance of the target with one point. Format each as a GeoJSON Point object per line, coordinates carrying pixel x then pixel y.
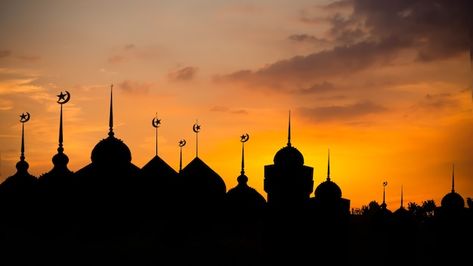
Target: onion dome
{"type": "Point", "coordinates": [289, 156]}
{"type": "Point", "coordinates": [453, 200]}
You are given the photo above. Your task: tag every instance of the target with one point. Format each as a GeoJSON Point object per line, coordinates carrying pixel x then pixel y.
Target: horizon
{"type": "Point", "coordinates": [390, 96]}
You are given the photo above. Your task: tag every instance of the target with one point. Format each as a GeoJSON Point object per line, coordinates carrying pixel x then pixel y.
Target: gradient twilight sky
{"type": "Point", "coordinates": [386, 85]}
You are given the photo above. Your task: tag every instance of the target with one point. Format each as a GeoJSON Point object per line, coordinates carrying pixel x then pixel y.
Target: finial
{"type": "Point", "coordinates": [289, 131]}
{"type": "Point", "coordinates": [243, 138]}
{"type": "Point", "coordinates": [156, 123]}
{"type": "Point", "coordinates": [24, 117]}
{"type": "Point", "coordinates": [62, 99]}
{"type": "Point", "coordinates": [110, 121]}
{"type": "Point", "coordinates": [328, 167]}
{"type": "Point", "coordinates": [453, 178]}
{"type": "Point", "coordinates": [196, 129]}
{"type": "Point", "coordinates": [402, 197]}
{"type": "Point", "coordinates": [182, 143]}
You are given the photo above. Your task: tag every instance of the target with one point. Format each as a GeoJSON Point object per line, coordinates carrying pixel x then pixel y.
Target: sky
{"type": "Point", "coordinates": [385, 85]}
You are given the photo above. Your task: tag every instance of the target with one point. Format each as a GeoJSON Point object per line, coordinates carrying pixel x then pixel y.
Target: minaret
{"type": "Point", "coordinates": [60, 160]}
{"type": "Point", "coordinates": [110, 119]}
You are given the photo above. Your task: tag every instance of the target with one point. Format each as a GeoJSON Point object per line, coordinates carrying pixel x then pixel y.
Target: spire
{"type": "Point", "coordinates": [24, 117]}
{"type": "Point", "coordinates": [383, 205]}
{"type": "Point", "coordinates": [196, 129]}
{"type": "Point", "coordinates": [110, 120]}
{"type": "Point", "coordinates": [402, 197]}
{"type": "Point", "coordinates": [156, 123]}
{"type": "Point", "coordinates": [182, 143]}
{"type": "Point", "coordinates": [453, 178]}
{"type": "Point", "coordinates": [328, 166]}
{"type": "Point", "coordinates": [62, 99]}
{"type": "Point", "coordinates": [289, 131]}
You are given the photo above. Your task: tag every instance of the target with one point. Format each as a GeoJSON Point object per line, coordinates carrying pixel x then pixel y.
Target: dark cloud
{"type": "Point", "coordinates": [228, 110]}
{"type": "Point", "coordinates": [129, 47]}
{"type": "Point", "coordinates": [341, 112]}
{"type": "Point", "coordinates": [5, 53]}
{"type": "Point", "coordinates": [183, 74]}
{"type": "Point", "coordinates": [318, 88]}
{"type": "Point", "coordinates": [134, 87]}
{"type": "Point", "coordinates": [307, 38]}
{"type": "Point", "coordinates": [373, 34]}
{"type": "Point", "coordinates": [439, 101]}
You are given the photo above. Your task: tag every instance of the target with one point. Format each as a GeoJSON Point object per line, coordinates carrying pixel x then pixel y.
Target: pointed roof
{"type": "Point", "coordinates": [60, 160]}
{"type": "Point", "coordinates": [289, 156]}
{"type": "Point", "coordinates": [328, 190]}
{"type": "Point", "coordinates": [21, 180]}
{"type": "Point", "coordinates": [401, 210]}
{"type": "Point", "coordinates": [111, 149]}
{"type": "Point", "coordinates": [159, 167]}
{"type": "Point", "coordinates": [202, 180]}
{"type": "Point", "coordinates": [453, 200]}
{"type": "Point", "coordinates": [242, 195]}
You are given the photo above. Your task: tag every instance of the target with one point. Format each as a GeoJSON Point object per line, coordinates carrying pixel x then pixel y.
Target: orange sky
{"type": "Point", "coordinates": [387, 87]}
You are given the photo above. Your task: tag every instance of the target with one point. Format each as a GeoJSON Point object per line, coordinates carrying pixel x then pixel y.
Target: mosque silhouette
{"type": "Point", "coordinates": [113, 212]}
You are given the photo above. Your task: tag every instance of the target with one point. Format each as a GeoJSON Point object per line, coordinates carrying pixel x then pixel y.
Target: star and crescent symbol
{"type": "Point", "coordinates": [244, 138]}
{"type": "Point", "coordinates": [196, 128]}
{"type": "Point", "coordinates": [182, 143]}
{"type": "Point", "coordinates": [24, 117]}
{"type": "Point", "coordinates": [63, 97]}
{"type": "Point", "coordinates": [156, 122]}
{"type": "Point", "coordinates": [385, 183]}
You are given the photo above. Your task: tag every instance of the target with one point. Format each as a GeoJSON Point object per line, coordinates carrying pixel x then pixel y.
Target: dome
{"type": "Point", "coordinates": [289, 156]}
{"type": "Point", "coordinates": [328, 190]}
{"type": "Point", "coordinates": [111, 149]}
{"type": "Point", "coordinates": [453, 200]}
{"type": "Point", "coordinates": [60, 160]}
{"type": "Point", "coordinates": [244, 196]}
{"type": "Point", "coordinates": [202, 181]}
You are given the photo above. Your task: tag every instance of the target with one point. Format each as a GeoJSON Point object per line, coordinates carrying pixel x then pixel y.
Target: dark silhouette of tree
{"type": "Point", "coordinates": [428, 207]}
{"type": "Point", "coordinates": [372, 208]}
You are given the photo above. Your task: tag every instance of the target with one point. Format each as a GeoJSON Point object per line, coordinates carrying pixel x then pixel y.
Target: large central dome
{"type": "Point", "coordinates": [111, 149]}
{"type": "Point", "coordinates": [288, 156]}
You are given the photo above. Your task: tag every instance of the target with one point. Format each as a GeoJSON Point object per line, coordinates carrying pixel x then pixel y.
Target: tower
{"type": "Point", "coordinates": [288, 181]}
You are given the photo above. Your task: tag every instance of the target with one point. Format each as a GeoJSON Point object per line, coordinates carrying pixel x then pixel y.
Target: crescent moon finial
{"type": "Point", "coordinates": [156, 122]}
{"type": "Point", "coordinates": [385, 183]}
{"type": "Point", "coordinates": [244, 138]}
{"type": "Point", "coordinates": [25, 117]}
{"type": "Point", "coordinates": [182, 143]}
{"type": "Point", "coordinates": [63, 97]}
{"type": "Point", "coordinates": [196, 127]}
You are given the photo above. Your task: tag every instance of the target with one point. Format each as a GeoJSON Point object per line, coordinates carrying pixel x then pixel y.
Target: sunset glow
{"type": "Point", "coordinates": [390, 96]}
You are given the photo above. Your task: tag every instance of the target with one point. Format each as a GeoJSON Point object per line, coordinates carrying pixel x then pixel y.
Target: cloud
{"type": "Point", "coordinates": [373, 34]}
{"type": "Point", "coordinates": [129, 47]}
{"type": "Point", "coordinates": [5, 53]}
{"type": "Point", "coordinates": [183, 74]}
{"type": "Point", "coordinates": [318, 88]}
{"type": "Point", "coordinates": [341, 112]}
{"type": "Point", "coordinates": [224, 109]}
{"type": "Point", "coordinates": [134, 87]}
{"type": "Point", "coordinates": [307, 38]}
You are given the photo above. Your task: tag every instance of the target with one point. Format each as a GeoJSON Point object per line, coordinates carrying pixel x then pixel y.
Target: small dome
{"type": "Point", "coordinates": [60, 160]}
{"type": "Point", "coordinates": [453, 200]}
{"type": "Point", "coordinates": [244, 196]}
{"type": "Point", "coordinates": [111, 149]}
{"type": "Point", "coordinates": [328, 190]}
{"type": "Point", "coordinates": [22, 166]}
{"type": "Point", "coordinates": [289, 156]}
